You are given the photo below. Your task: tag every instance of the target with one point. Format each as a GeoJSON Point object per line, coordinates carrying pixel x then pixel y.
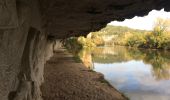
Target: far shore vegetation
{"type": "Point", "coordinates": [157, 38]}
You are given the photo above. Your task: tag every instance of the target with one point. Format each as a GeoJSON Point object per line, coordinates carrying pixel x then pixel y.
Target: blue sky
{"type": "Point", "coordinates": [144, 23]}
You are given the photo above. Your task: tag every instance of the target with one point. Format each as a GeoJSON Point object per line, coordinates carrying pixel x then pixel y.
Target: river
{"type": "Point", "coordinates": [140, 74]}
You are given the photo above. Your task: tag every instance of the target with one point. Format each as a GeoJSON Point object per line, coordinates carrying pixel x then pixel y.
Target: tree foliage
{"type": "Point", "coordinates": [158, 38]}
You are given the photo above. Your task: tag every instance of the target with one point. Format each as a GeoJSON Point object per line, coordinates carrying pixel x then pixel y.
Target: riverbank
{"type": "Point", "coordinates": [66, 79]}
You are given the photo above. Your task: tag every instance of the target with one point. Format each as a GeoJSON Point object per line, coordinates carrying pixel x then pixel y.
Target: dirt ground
{"type": "Point", "coordinates": [67, 80]}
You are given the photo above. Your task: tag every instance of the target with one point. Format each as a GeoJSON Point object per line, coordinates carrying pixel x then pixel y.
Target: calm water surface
{"type": "Point", "coordinates": [138, 73]}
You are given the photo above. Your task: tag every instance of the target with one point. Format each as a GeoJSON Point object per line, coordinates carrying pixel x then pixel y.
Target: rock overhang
{"type": "Point", "coordinates": [66, 18]}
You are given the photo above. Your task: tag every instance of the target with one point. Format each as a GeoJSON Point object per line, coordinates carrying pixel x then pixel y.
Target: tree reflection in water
{"type": "Point", "coordinates": [160, 60]}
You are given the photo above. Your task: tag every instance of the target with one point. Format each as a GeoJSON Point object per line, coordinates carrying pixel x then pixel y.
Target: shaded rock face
{"type": "Point", "coordinates": [28, 27]}
{"type": "Point", "coordinates": [23, 46]}
{"type": "Point", "coordinates": [64, 18]}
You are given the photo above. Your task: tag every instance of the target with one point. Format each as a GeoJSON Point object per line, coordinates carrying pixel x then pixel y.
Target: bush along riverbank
{"type": "Point", "coordinates": [157, 38]}
{"type": "Point", "coordinates": [76, 44]}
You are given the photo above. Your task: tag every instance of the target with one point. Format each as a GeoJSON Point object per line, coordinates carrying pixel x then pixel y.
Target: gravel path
{"type": "Point", "coordinates": [67, 80]}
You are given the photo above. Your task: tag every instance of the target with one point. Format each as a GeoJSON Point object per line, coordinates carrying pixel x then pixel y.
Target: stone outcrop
{"type": "Point", "coordinates": [28, 29]}
{"type": "Point", "coordinates": [65, 18]}
{"type": "Point", "coordinates": [23, 46]}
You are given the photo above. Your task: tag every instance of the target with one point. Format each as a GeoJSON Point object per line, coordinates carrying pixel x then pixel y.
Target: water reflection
{"type": "Point", "coordinates": [141, 74]}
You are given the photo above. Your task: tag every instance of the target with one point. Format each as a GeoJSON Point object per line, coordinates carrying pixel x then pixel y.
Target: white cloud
{"type": "Point", "coordinates": [145, 23]}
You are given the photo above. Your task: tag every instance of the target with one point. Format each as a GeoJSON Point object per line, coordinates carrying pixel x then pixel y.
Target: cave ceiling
{"type": "Point", "coordinates": [65, 18]}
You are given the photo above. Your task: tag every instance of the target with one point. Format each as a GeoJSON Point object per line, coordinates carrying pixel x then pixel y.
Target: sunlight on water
{"type": "Point", "coordinates": [140, 74]}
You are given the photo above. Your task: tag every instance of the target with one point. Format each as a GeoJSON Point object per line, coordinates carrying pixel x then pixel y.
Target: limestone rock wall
{"type": "Point", "coordinates": [23, 50]}
{"type": "Point", "coordinates": [57, 44]}
{"type": "Point", "coordinates": [12, 42]}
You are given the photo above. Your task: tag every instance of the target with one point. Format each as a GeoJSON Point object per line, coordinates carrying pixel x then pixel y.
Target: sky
{"type": "Point", "coordinates": [143, 23]}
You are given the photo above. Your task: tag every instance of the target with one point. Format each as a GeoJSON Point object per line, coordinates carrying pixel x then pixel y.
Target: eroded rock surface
{"type": "Point", "coordinates": [28, 29]}
{"type": "Point", "coordinates": [64, 18]}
